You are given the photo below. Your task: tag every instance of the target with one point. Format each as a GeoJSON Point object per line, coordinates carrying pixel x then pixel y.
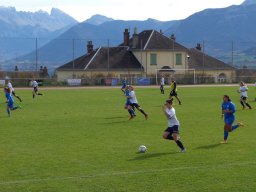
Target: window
{"type": "Point", "coordinates": [153, 59]}
{"type": "Point", "coordinates": [178, 59]}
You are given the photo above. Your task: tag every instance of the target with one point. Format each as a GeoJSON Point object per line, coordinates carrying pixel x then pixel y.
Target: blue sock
{"type": "Point", "coordinates": [234, 127]}
{"type": "Point", "coordinates": [225, 135]}
{"type": "Point", "coordinates": [14, 108]}
{"type": "Point", "coordinates": [8, 111]}
{"type": "Point", "coordinates": [131, 111]}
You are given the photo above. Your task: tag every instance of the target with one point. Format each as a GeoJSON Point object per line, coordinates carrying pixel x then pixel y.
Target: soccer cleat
{"type": "Point", "coordinates": [240, 124]}
{"type": "Point", "coordinates": [224, 142]}
{"type": "Point", "coordinates": [183, 150]}
{"type": "Point", "coordinates": [146, 116]}
{"type": "Point", "coordinates": [131, 117]}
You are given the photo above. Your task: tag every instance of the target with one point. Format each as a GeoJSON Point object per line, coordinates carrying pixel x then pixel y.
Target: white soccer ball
{"type": "Point", "coordinates": [142, 149]}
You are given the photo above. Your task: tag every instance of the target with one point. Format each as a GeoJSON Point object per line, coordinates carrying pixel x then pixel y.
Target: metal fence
{"type": "Point", "coordinates": [144, 81]}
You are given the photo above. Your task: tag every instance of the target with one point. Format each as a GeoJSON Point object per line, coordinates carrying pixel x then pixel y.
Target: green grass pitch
{"type": "Point", "coordinates": [81, 140]}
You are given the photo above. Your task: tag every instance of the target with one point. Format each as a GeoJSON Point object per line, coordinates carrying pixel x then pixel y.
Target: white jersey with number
{"type": "Point", "coordinates": [10, 86]}
{"type": "Point", "coordinates": [133, 98]}
{"type": "Point", "coordinates": [172, 119]}
{"type": "Point", "coordinates": [34, 84]}
{"type": "Point", "coordinates": [243, 90]}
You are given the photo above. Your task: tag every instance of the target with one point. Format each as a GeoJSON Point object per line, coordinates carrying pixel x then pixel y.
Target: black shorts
{"type": "Point", "coordinates": [173, 129]}
{"type": "Point", "coordinates": [35, 89]}
{"type": "Point", "coordinates": [135, 105]}
{"type": "Point", "coordinates": [243, 98]}
{"type": "Point", "coordinates": [173, 93]}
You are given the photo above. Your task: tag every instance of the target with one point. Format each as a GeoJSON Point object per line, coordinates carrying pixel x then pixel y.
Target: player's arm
{"type": "Point", "coordinates": [164, 110]}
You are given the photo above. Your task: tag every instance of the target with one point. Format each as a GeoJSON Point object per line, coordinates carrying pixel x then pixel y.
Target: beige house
{"type": "Point", "coordinates": [156, 51]}
{"type": "Point", "coordinates": [147, 54]}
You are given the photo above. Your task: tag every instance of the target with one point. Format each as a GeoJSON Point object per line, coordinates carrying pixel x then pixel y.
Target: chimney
{"type": "Point", "coordinates": [89, 47]}
{"type": "Point", "coordinates": [198, 46]}
{"type": "Point", "coordinates": [135, 38]}
{"type": "Point", "coordinates": [173, 37]}
{"type": "Point", "coordinates": [126, 37]}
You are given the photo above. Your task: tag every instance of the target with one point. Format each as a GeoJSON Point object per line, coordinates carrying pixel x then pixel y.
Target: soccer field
{"type": "Point", "coordinates": [81, 140]}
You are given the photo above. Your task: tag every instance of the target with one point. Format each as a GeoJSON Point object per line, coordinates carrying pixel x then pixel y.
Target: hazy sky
{"type": "Point", "coordinates": [163, 10]}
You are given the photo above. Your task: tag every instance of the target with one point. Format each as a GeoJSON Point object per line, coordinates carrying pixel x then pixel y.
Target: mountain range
{"type": "Point", "coordinates": [19, 29]}
{"type": "Point", "coordinates": [223, 32]}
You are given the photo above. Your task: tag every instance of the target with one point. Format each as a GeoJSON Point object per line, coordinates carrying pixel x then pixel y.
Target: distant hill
{"type": "Point", "coordinates": [218, 28]}
{"type": "Point", "coordinates": [98, 19]}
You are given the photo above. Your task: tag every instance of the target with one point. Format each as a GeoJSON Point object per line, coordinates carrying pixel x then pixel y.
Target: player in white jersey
{"type": "Point", "coordinates": [162, 85]}
{"type": "Point", "coordinates": [9, 85]}
{"type": "Point", "coordinates": [35, 88]}
{"type": "Point", "coordinates": [243, 91]}
{"type": "Point", "coordinates": [172, 132]}
{"type": "Point", "coordinates": [134, 101]}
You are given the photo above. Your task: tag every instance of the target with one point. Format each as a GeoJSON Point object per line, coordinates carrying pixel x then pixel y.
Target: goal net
{"type": "Point", "coordinates": [188, 76]}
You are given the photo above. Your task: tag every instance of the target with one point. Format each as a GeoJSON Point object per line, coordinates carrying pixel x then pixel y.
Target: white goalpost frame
{"type": "Point", "coordinates": [173, 70]}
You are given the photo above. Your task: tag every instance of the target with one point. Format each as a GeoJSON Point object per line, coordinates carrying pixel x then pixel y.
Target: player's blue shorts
{"type": "Point", "coordinates": [10, 104]}
{"type": "Point", "coordinates": [128, 103]}
{"type": "Point", "coordinates": [173, 129]}
{"type": "Point", "coordinates": [229, 120]}
{"type": "Point", "coordinates": [123, 86]}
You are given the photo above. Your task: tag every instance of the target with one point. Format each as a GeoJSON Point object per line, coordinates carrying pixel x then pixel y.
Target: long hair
{"type": "Point", "coordinates": [227, 97]}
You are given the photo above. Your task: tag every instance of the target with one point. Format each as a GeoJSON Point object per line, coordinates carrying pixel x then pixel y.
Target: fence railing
{"type": "Point", "coordinates": [104, 81]}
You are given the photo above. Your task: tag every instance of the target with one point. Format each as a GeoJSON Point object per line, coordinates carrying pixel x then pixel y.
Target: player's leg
{"type": "Point", "coordinates": [161, 89]}
{"type": "Point", "coordinates": [246, 103]}
{"type": "Point", "coordinates": [36, 91]}
{"type": "Point", "coordinates": [171, 95]}
{"type": "Point", "coordinates": [8, 110]}
{"type": "Point", "coordinates": [140, 109]}
{"type": "Point", "coordinates": [14, 94]}
{"type": "Point", "coordinates": [176, 96]}
{"type": "Point", "coordinates": [234, 127]}
{"type": "Point", "coordinates": [176, 138]}
{"type": "Point", "coordinates": [242, 102]}
{"type": "Point", "coordinates": [178, 99]}
{"type": "Point", "coordinates": [167, 135]}
{"type": "Point", "coordinates": [227, 128]}
{"type": "Point", "coordinates": [131, 111]}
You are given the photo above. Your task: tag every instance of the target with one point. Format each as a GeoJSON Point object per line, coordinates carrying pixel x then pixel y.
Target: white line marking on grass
{"type": "Point", "coordinates": [40, 180]}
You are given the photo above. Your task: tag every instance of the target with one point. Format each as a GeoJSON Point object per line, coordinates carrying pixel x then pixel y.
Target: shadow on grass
{"type": "Point", "coordinates": [118, 117]}
{"type": "Point", "coordinates": [143, 156]}
{"type": "Point", "coordinates": [209, 146]}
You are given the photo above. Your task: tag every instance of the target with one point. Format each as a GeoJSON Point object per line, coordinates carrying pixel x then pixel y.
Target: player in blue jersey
{"type": "Point", "coordinates": [228, 112]}
{"type": "Point", "coordinates": [123, 86]}
{"type": "Point", "coordinates": [128, 104]}
{"type": "Point", "coordinates": [10, 101]}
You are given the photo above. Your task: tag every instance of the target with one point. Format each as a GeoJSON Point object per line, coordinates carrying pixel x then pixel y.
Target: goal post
{"type": "Point", "coordinates": [173, 70]}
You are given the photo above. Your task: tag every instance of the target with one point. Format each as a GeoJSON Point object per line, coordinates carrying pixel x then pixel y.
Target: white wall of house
{"type": "Point", "coordinates": [152, 60]}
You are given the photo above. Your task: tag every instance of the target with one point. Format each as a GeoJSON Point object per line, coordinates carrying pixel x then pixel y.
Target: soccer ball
{"type": "Point", "coordinates": [142, 149]}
